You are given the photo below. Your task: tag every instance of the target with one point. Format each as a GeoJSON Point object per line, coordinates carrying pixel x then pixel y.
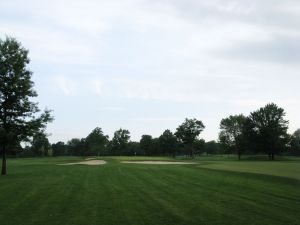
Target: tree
{"type": "Point", "coordinates": [59, 149]}
{"type": "Point", "coordinates": [188, 132]}
{"type": "Point", "coordinates": [76, 146]}
{"type": "Point", "coordinates": [295, 143]}
{"type": "Point", "coordinates": [119, 142]}
{"type": "Point", "coordinates": [40, 144]}
{"type": "Point", "coordinates": [146, 144]}
{"type": "Point", "coordinates": [168, 143]}
{"type": "Point", "coordinates": [96, 142]}
{"type": "Point", "coordinates": [231, 135]}
{"type": "Point", "coordinates": [199, 146]}
{"type": "Point", "coordinates": [267, 129]}
{"type": "Point", "coordinates": [213, 147]}
{"type": "Point", "coordinates": [133, 148]}
{"type": "Point", "coordinates": [18, 119]}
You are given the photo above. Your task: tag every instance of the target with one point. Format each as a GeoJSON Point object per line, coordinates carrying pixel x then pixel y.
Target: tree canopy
{"type": "Point", "coordinates": [188, 132]}
{"type": "Point", "coordinates": [268, 129]}
{"type": "Point", "coordinates": [96, 141]}
{"type": "Point", "coordinates": [231, 134]}
{"type": "Point", "coordinates": [18, 113]}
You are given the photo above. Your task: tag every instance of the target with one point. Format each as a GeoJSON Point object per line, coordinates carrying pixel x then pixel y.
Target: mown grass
{"type": "Point", "coordinates": [290, 169]}
{"type": "Point", "coordinates": [38, 191]}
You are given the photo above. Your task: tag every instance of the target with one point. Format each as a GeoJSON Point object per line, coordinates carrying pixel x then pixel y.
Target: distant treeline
{"type": "Point", "coordinates": [262, 132]}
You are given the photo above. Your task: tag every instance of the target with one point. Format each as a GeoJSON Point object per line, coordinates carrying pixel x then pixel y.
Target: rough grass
{"type": "Point", "coordinates": [37, 191]}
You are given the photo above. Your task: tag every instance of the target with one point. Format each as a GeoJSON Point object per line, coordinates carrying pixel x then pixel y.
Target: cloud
{"type": "Point", "coordinates": [66, 85]}
{"type": "Point", "coordinates": [112, 108]}
{"type": "Point", "coordinates": [197, 57]}
{"type": "Point", "coordinates": [279, 50]}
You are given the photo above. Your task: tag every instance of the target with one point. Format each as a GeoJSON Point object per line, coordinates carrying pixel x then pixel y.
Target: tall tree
{"type": "Point", "coordinates": [40, 144]}
{"type": "Point", "coordinates": [168, 143]}
{"type": "Point", "coordinates": [268, 129]}
{"type": "Point", "coordinates": [75, 146]}
{"type": "Point", "coordinates": [96, 141]}
{"type": "Point", "coordinates": [18, 119]}
{"type": "Point", "coordinates": [199, 146]}
{"type": "Point", "coordinates": [146, 144]}
{"type": "Point", "coordinates": [231, 135]}
{"type": "Point", "coordinates": [188, 132]}
{"type": "Point", "coordinates": [213, 147]}
{"type": "Point", "coordinates": [295, 143]}
{"type": "Point", "coordinates": [59, 149]}
{"type": "Point", "coordinates": [120, 141]}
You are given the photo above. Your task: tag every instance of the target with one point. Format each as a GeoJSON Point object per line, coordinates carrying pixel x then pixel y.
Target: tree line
{"type": "Point", "coordinates": [21, 121]}
{"type": "Point", "coordinates": [262, 132]}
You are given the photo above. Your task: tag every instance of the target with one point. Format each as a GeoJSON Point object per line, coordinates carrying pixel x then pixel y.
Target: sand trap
{"type": "Point", "coordinates": [159, 162]}
{"type": "Point", "coordinates": [90, 162]}
{"type": "Point", "coordinates": [90, 158]}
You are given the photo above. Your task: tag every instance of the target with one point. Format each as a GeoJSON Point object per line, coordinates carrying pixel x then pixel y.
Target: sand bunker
{"type": "Point", "coordinates": [90, 158]}
{"type": "Point", "coordinates": [159, 162]}
{"type": "Point", "coordinates": [90, 162]}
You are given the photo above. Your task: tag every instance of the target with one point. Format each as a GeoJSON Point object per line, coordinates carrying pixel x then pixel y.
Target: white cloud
{"type": "Point", "coordinates": [66, 85]}
{"type": "Point", "coordinates": [218, 53]}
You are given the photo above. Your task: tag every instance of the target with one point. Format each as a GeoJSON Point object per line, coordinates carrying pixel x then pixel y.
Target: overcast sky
{"type": "Point", "coordinates": [146, 65]}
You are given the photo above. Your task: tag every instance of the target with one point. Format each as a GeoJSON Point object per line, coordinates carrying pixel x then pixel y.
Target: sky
{"type": "Point", "coordinates": [146, 65]}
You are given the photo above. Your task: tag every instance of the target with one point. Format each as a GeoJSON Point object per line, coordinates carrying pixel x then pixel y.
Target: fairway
{"type": "Point", "coordinates": [290, 169]}
{"type": "Point", "coordinates": [41, 192]}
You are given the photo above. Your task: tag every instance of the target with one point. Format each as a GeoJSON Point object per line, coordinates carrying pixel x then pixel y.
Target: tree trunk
{"type": "Point", "coordinates": [272, 156]}
{"type": "Point", "coordinates": [239, 155]}
{"type": "Point", "coordinates": [192, 153]}
{"type": "Point", "coordinates": [3, 171]}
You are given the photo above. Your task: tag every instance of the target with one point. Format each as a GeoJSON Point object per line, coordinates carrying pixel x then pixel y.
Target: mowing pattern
{"type": "Point", "coordinates": [37, 191]}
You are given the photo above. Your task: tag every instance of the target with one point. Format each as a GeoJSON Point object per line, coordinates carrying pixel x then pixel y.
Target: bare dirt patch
{"type": "Point", "coordinates": [160, 162]}
{"type": "Point", "coordinates": [90, 163]}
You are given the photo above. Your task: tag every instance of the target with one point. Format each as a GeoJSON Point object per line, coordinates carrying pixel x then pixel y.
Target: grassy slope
{"type": "Point", "coordinates": [290, 169]}
{"type": "Point", "coordinates": [37, 191]}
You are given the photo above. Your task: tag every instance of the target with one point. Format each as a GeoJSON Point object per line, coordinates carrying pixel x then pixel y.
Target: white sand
{"type": "Point", "coordinates": [159, 162]}
{"type": "Point", "coordinates": [90, 162]}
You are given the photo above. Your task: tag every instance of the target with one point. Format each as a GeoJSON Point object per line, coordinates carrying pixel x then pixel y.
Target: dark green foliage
{"type": "Point", "coordinates": [213, 147]}
{"type": "Point", "coordinates": [199, 146]}
{"type": "Point", "coordinates": [167, 143]}
{"type": "Point", "coordinates": [231, 135]}
{"type": "Point", "coordinates": [75, 147]}
{"type": "Point", "coordinates": [267, 130]}
{"type": "Point", "coordinates": [133, 148]}
{"type": "Point", "coordinates": [18, 114]}
{"type": "Point", "coordinates": [96, 142]}
{"type": "Point", "coordinates": [59, 149]}
{"type": "Point", "coordinates": [119, 142]}
{"type": "Point", "coordinates": [40, 145]}
{"type": "Point", "coordinates": [147, 145]}
{"type": "Point", "coordinates": [188, 132]}
{"type": "Point", "coordinates": [295, 143]}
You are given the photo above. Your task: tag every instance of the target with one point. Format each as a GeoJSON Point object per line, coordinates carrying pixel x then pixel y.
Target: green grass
{"type": "Point", "coordinates": [290, 169]}
{"type": "Point", "coordinates": [38, 191]}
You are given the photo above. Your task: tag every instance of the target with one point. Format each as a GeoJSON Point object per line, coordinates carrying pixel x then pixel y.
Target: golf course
{"type": "Point", "coordinates": [128, 190]}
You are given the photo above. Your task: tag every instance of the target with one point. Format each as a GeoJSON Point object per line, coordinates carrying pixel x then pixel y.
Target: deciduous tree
{"type": "Point", "coordinates": [188, 132]}
{"type": "Point", "coordinates": [96, 142]}
{"type": "Point", "coordinates": [231, 135]}
{"type": "Point", "coordinates": [168, 143]}
{"type": "Point", "coordinates": [268, 129]}
{"type": "Point", "coordinates": [119, 141]}
{"type": "Point", "coordinates": [18, 113]}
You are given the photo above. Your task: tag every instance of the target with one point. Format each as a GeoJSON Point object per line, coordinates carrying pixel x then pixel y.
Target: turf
{"type": "Point", "coordinates": [38, 191]}
{"type": "Point", "coordinates": [290, 169]}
